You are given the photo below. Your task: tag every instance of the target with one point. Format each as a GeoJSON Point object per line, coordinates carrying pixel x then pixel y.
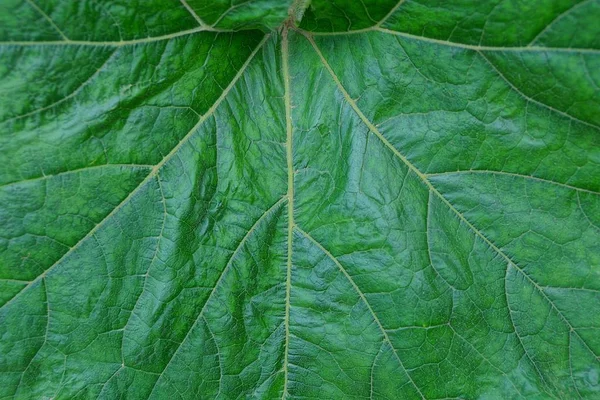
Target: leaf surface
{"type": "Point", "coordinates": [391, 200]}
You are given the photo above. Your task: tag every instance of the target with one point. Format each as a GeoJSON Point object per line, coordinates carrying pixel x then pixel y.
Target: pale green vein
{"type": "Point", "coordinates": [227, 267]}
{"type": "Point", "coordinates": [372, 373]}
{"type": "Point", "coordinates": [290, 195]}
{"type": "Point", "coordinates": [47, 18]}
{"type": "Point", "coordinates": [558, 18]}
{"type": "Point", "coordinates": [528, 98]}
{"type": "Point", "coordinates": [552, 305]}
{"type": "Point", "coordinates": [427, 227]}
{"type": "Point", "coordinates": [389, 14]}
{"type": "Point", "coordinates": [490, 48]}
{"type": "Point", "coordinates": [110, 378]}
{"type": "Point", "coordinates": [569, 356]}
{"type": "Point", "coordinates": [423, 177]}
{"type": "Point", "coordinates": [14, 281]}
{"type": "Point", "coordinates": [116, 43]}
{"type": "Point", "coordinates": [517, 335]}
{"type": "Point", "coordinates": [428, 241]}
{"type": "Point", "coordinates": [193, 13]}
{"type": "Point", "coordinates": [511, 174]}
{"type": "Point", "coordinates": [69, 96]}
{"type": "Point", "coordinates": [585, 215]}
{"type": "Point", "coordinates": [147, 273]}
{"type": "Point", "coordinates": [483, 357]}
{"type": "Point", "coordinates": [45, 285]}
{"type": "Point", "coordinates": [364, 300]}
{"type": "Point", "coordinates": [458, 45]}
{"type": "Point", "coordinates": [230, 9]}
{"type": "Point", "coordinates": [150, 176]}
{"type": "Point", "coordinates": [219, 356]}
{"type": "Point", "coordinates": [76, 171]}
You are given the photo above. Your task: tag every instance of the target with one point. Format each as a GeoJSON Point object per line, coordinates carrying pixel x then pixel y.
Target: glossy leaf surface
{"type": "Point", "coordinates": [212, 199]}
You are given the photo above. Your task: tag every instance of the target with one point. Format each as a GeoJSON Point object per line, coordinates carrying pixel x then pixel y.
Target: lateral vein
{"type": "Point", "coordinates": [218, 282]}
{"type": "Point", "coordinates": [116, 43]}
{"type": "Point", "coordinates": [364, 299]}
{"type": "Point", "coordinates": [47, 17]}
{"type": "Point", "coordinates": [531, 99]}
{"type": "Point", "coordinates": [148, 177]}
{"type": "Point", "coordinates": [74, 93]}
{"type": "Point", "coordinates": [193, 13]}
{"type": "Point", "coordinates": [75, 171]}
{"type": "Point", "coordinates": [423, 177]}
{"type": "Point", "coordinates": [512, 174]}
{"type": "Point", "coordinates": [458, 45]}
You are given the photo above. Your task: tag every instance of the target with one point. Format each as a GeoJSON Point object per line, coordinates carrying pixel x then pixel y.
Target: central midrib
{"type": "Point", "coordinates": [290, 196]}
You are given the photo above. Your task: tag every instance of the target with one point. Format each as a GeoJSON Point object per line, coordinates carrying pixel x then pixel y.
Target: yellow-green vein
{"type": "Point", "coordinates": [290, 195]}
{"type": "Point", "coordinates": [148, 177]}
{"type": "Point", "coordinates": [47, 18]}
{"type": "Point", "coordinates": [365, 301]}
{"type": "Point", "coordinates": [433, 189]}
{"type": "Point", "coordinates": [237, 250]}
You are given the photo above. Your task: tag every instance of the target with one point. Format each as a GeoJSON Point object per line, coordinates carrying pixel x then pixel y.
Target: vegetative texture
{"type": "Point", "coordinates": [272, 199]}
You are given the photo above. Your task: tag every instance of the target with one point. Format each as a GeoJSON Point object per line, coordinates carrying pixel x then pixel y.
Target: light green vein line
{"type": "Point", "coordinates": [150, 176]}
{"type": "Point", "coordinates": [75, 171]}
{"type": "Point", "coordinates": [47, 17]}
{"type": "Point", "coordinates": [389, 14]}
{"type": "Point", "coordinates": [558, 18]}
{"type": "Point", "coordinates": [14, 281]}
{"type": "Point", "coordinates": [46, 330]}
{"type": "Point", "coordinates": [423, 177]}
{"type": "Point", "coordinates": [151, 264]}
{"type": "Point", "coordinates": [217, 283]}
{"type": "Point", "coordinates": [428, 229]}
{"type": "Point", "coordinates": [193, 13]}
{"type": "Point", "coordinates": [290, 195]}
{"type": "Point", "coordinates": [364, 299]}
{"type": "Point", "coordinates": [528, 98]}
{"type": "Point", "coordinates": [115, 42]}
{"type": "Point", "coordinates": [483, 357]}
{"type": "Point", "coordinates": [518, 336]}
{"type": "Point", "coordinates": [428, 219]}
{"type": "Point", "coordinates": [570, 357]}
{"type": "Point", "coordinates": [69, 96]}
{"type": "Point", "coordinates": [456, 44]}
{"type": "Point", "coordinates": [511, 174]}
{"type": "Point", "coordinates": [490, 48]}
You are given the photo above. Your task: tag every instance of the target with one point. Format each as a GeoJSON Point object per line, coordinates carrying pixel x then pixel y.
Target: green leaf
{"type": "Point", "coordinates": [266, 199]}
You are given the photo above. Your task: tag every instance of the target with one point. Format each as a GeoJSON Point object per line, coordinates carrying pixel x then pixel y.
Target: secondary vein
{"type": "Point", "coordinates": [227, 267]}
{"type": "Point", "coordinates": [365, 301]}
{"type": "Point", "coordinates": [47, 18]}
{"type": "Point", "coordinates": [116, 43]}
{"type": "Point", "coordinates": [464, 46]}
{"type": "Point", "coordinates": [433, 189]}
{"type": "Point", "coordinates": [148, 178]}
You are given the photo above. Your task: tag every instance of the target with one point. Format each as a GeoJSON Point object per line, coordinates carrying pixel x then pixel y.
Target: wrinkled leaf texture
{"type": "Point", "coordinates": [382, 200]}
